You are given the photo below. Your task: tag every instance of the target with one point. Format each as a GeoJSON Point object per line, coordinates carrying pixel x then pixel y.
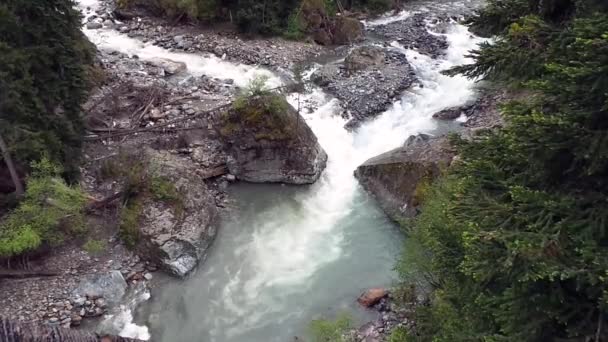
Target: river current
{"type": "Point", "coordinates": [287, 255]}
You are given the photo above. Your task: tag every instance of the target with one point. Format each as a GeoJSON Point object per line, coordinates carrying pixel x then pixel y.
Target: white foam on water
{"type": "Point", "coordinates": [388, 18]}
{"type": "Point", "coordinates": [121, 322]}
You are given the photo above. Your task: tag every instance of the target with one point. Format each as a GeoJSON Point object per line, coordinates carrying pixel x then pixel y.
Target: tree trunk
{"type": "Point", "coordinates": [11, 167]}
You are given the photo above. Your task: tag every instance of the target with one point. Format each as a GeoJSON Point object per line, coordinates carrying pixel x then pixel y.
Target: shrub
{"type": "Point", "coordinates": [294, 29]}
{"type": "Point", "coordinates": [94, 246]}
{"type": "Point", "coordinates": [163, 190]}
{"type": "Point", "coordinates": [259, 109]}
{"type": "Point", "coordinates": [129, 222]}
{"type": "Point", "coordinates": [399, 334]}
{"type": "Point", "coordinates": [331, 331]}
{"type": "Point", "coordinates": [50, 211]}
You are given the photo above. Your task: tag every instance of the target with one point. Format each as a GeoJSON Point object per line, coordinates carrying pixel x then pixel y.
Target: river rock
{"type": "Point", "coordinates": [269, 142]}
{"type": "Point", "coordinates": [94, 25]}
{"type": "Point", "coordinates": [111, 286]}
{"type": "Point", "coordinates": [397, 178]}
{"type": "Point", "coordinates": [363, 57]}
{"type": "Point", "coordinates": [372, 296]}
{"type": "Point", "coordinates": [451, 113]}
{"type": "Point", "coordinates": [169, 66]}
{"type": "Point", "coordinates": [346, 30]}
{"type": "Point", "coordinates": [177, 236]}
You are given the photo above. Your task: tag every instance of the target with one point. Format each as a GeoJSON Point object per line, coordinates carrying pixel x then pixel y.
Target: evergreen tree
{"type": "Point", "coordinates": [43, 55]}
{"type": "Point", "coordinates": [518, 229]}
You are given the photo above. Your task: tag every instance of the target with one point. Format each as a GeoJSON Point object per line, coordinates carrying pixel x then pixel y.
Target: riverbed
{"type": "Point", "coordinates": [286, 255]}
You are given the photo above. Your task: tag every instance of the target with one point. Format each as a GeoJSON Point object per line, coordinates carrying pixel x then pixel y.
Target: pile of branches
{"type": "Point", "coordinates": [125, 100]}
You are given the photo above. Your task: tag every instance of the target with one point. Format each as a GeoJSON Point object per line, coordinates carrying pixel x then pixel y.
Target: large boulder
{"type": "Point", "coordinates": [269, 142]}
{"type": "Point", "coordinates": [326, 29]}
{"type": "Point", "coordinates": [176, 233]}
{"type": "Point", "coordinates": [363, 57]}
{"type": "Point", "coordinates": [346, 30]}
{"type": "Point", "coordinates": [397, 178]}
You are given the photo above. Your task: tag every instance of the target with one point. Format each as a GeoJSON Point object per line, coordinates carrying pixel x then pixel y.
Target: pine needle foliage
{"type": "Point", "coordinates": [517, 232]}
{"type": "Point", "coordinates": [43, 55]}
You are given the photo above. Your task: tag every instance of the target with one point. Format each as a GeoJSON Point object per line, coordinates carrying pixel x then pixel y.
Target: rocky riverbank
{"type": "Point", "coordinates": [146, 104]}
{"type": "Point", "coordinates": [273, 52]}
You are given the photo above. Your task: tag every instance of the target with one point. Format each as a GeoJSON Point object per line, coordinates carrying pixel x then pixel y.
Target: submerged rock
{"type": "Point", "coordinates": [177, 233]}
{"type": "Point", "coordinates": [451, 113]}
{"type": "Point", "coordinates": [397, 179]}
{"type": "Point", "coordinates": [269, 142]}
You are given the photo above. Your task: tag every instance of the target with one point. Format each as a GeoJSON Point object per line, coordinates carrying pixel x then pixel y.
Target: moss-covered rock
{"type": "Point", "coordinates": [168, 215]}
{"type": "Point", "coordinates": [269, 142]}
{"type": "Point", "coordinates": [398, 178]}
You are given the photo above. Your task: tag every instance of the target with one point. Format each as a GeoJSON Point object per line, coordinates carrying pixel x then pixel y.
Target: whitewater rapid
{"type": "Point", "coordinates": [266, 278]}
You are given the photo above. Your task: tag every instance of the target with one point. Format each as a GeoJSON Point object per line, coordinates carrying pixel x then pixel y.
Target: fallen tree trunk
{"type": "Point", "coordinates": [14, 274]}
{"type": "Point", "coordinates": [24, 332]}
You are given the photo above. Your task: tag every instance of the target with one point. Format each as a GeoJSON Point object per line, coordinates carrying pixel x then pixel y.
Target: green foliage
{"type": "Point", "coordinates": [49, 212]}
{"type": "Point", "coordinates": [93, 246]}
{"type": "Point", "coordinates": [498, 15]}
{"type": "Point", "coordinates": [266, 17]}
{"type": "Point", "coordinates": [322, 330]}
{"type": "Point", "coordinates": [516, 233]}
{"type": "Point", "coordinates": [294, 29]}
{"type": "Point", "coordinates": [374, 6]}
{"type": "Point", "coordinates": [142, 183]}
{"type": "Point", "coordinates": [399, 334]}
{"type": "Point", "coordinates": [261, 110]}
{"type": "Point", "coordinates": [129, 222]}
{"type": "Point", "coordinates": [163, 190]}
{"type": "Point", "coordinates": [44, 60]}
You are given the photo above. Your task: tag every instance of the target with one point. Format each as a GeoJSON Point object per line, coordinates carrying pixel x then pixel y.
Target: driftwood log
{"type": "Point", "coordinates": [25, 332]}
{"type": "Point", "coordinates": [17, 274]}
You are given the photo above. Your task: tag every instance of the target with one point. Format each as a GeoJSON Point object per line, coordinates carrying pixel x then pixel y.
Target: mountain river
{"type": "Point", "coordinates": [287, 255]}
